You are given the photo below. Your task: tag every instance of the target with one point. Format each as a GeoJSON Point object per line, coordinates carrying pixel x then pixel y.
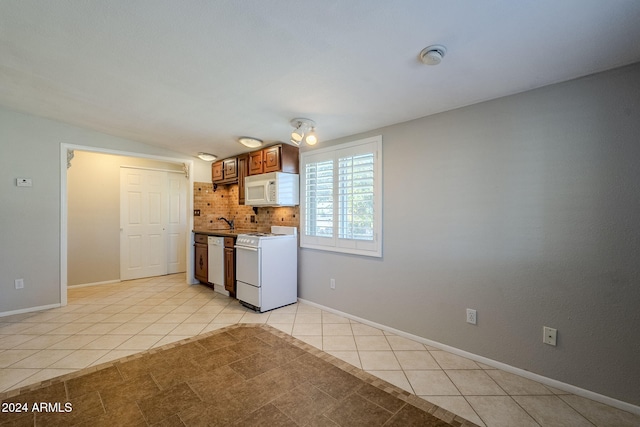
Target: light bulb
{"type": "Point", "coordinates": [297, 135]}
{"type": "Point", "coordinates": [311, 138]}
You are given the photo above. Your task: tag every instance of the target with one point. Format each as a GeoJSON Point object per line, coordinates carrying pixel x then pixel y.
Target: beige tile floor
{"type": "Point", "coordinates": [106, 322]}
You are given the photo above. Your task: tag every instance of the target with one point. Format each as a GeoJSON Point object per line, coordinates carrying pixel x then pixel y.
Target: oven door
{"type": "Point", "coordinates": [248, 265]}
{"type": "Point", "coordinates": [248, 275]}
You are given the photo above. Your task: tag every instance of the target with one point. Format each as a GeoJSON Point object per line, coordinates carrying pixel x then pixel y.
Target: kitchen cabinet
{"type": "Point", "coordinates": [272, 159]}
{"type": "Point", "coordinates": [230, 265]}
{"type": "Point", "coordinates": [255, 163]}
{"type": "Point", "coordinates": [230, 168]}
{"type": "Point", "coordinates": [243, 170]}
{"type": "Point", "coordinates": [276, 158]}
{"type": "Point", "coordinates": [217, 171]}
{"type": "Point", "coordinates": [201, 258]}
{"type": "Point", "coordinates": [225, 171]}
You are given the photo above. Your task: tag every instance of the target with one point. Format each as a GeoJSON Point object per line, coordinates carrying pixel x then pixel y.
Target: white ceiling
{"type": "Point", "coordinates": [194, 75]}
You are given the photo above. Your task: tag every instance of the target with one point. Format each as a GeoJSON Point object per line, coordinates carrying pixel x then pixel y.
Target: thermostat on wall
{"type": "Point", "coordinates": [23, 182]}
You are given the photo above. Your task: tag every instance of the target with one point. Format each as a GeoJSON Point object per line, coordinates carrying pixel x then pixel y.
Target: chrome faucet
{"type": "Point", "coordinates": [227, 221]}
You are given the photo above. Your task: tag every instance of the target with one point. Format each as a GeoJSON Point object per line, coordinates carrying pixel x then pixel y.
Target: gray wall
{"type": "Point", "coordinates": [525, 208]}
{"type": "Point", "coordinates": [30, 217]}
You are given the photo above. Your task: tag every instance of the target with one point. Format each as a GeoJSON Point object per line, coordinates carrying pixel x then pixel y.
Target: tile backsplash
{"type": "Point", "coordinates": [224, 203]}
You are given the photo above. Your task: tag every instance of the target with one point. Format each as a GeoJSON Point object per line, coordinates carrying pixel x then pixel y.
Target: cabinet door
{"type": "Point", "coordinates": [271, 156]}
{"type": "Point", "coordinates": [289, 158]}
{"type": "Point", "coordinates": [229, 270]}
{"type": "Point", "coordinates": [201, 263]}
{"type": "Point", "coordinates": [243, 170]}
{"type": "Point", "coordinates": [217, 171]}
{"type": "Point", "coordinates": [255, 163]}
{"type": "Point", "coordinates": [230, 168]}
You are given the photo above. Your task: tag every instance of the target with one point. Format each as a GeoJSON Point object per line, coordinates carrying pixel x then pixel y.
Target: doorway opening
{"type": "Point", "coordinates": [104, 223]}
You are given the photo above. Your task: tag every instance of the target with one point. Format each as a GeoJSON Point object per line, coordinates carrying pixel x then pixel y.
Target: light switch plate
{"type": "Point", "coordinates": [23, 182]}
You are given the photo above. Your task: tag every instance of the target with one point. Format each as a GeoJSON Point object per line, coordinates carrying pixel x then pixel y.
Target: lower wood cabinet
{"type": "Point", "coordinates": [201, 258]}
{"type": "Point", "coordinates": [230, 265]}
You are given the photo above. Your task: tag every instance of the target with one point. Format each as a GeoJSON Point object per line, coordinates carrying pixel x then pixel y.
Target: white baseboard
{"type": "Point", "coordinates": [84, 285]}
{"type": "Point", "coordinates": [493, 363]}
{"type": "Point", "coordinates": [29, 310]}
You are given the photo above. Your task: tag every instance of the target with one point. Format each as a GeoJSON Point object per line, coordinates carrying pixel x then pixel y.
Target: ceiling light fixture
{"type": "Point", "coordinates": [250, 142]}
{"type": "Point", "coordinates": [311, 138]}
{"type": "Point", "coordinates": [304, 130]}
{"type": "Point", "coordinates": [432, 55]}
{"type": "Point", "coordinates": [207, 157]}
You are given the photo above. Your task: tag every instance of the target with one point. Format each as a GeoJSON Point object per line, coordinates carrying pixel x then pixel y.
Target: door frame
{"type": "Point", "coordinates": [64, 149]}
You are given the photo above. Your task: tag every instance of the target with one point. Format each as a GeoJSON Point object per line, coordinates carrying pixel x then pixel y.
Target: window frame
{"type": "Point", "coordinates": [372, 248]}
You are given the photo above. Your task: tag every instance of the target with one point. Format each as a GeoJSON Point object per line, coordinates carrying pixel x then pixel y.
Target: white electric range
{"type": "Point", "coordinates": [267, 268]}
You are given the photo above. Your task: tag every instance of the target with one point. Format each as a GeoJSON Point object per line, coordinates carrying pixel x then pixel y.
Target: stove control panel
{"type": "Point", "coordinates": [247, 241]}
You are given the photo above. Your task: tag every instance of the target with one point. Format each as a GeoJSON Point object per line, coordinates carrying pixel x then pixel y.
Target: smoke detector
{"type": "Point", "coordinates": [432, 55]}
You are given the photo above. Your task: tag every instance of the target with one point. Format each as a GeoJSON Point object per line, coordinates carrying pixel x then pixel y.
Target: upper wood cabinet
{"type": "Point", "coordinates": [276, 158]}
{"type": "Point", "coordinates": [243, 170]}
{"type": "Point", "coordinates": [271, 158]}
{"type": "Point", "coordinates": [255, 163]}
{"type": "Point", "coordinates": [217, 171]}
{"type": "Point", "coordinates": [225, 171]}
{"type": "Point", "coordinates": [230, 168]}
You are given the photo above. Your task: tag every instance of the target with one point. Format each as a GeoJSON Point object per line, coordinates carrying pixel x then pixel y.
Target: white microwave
{"type": "Point", "coordinates": [272, 189]}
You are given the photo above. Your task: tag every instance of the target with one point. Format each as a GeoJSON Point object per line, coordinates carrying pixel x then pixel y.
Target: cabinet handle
{"type": "Point", "coordinates": [245, 248]}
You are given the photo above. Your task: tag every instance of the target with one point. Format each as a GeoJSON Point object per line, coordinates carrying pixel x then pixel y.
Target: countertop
{"type": "Point", "coordinates": [224, 232]}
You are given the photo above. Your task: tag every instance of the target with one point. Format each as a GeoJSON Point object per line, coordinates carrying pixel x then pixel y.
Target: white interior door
{"type": "Point", "coordinates": [177, 223]}
{"type": "Point", "coordinates": [143, 223]}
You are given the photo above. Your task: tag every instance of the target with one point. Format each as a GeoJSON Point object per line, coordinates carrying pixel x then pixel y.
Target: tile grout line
{"type": "Point", "coordinates": [399, 364]}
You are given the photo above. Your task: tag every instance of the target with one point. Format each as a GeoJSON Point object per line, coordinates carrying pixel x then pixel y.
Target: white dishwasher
{"type": "Point", "coordinates": [215, 246]}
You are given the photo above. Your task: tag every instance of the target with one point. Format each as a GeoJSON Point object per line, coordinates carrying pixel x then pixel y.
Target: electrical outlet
{"type": "Point", "coordinates": [19, 283]}
{"type": "Point", "coordinates": [332, 283]}
{"type": "Point", "coordinates": [472, 316]}
{"type": "Point", "coordinates": [550, 335]}
{"type": "Point", "coordinates": [196, 212]}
